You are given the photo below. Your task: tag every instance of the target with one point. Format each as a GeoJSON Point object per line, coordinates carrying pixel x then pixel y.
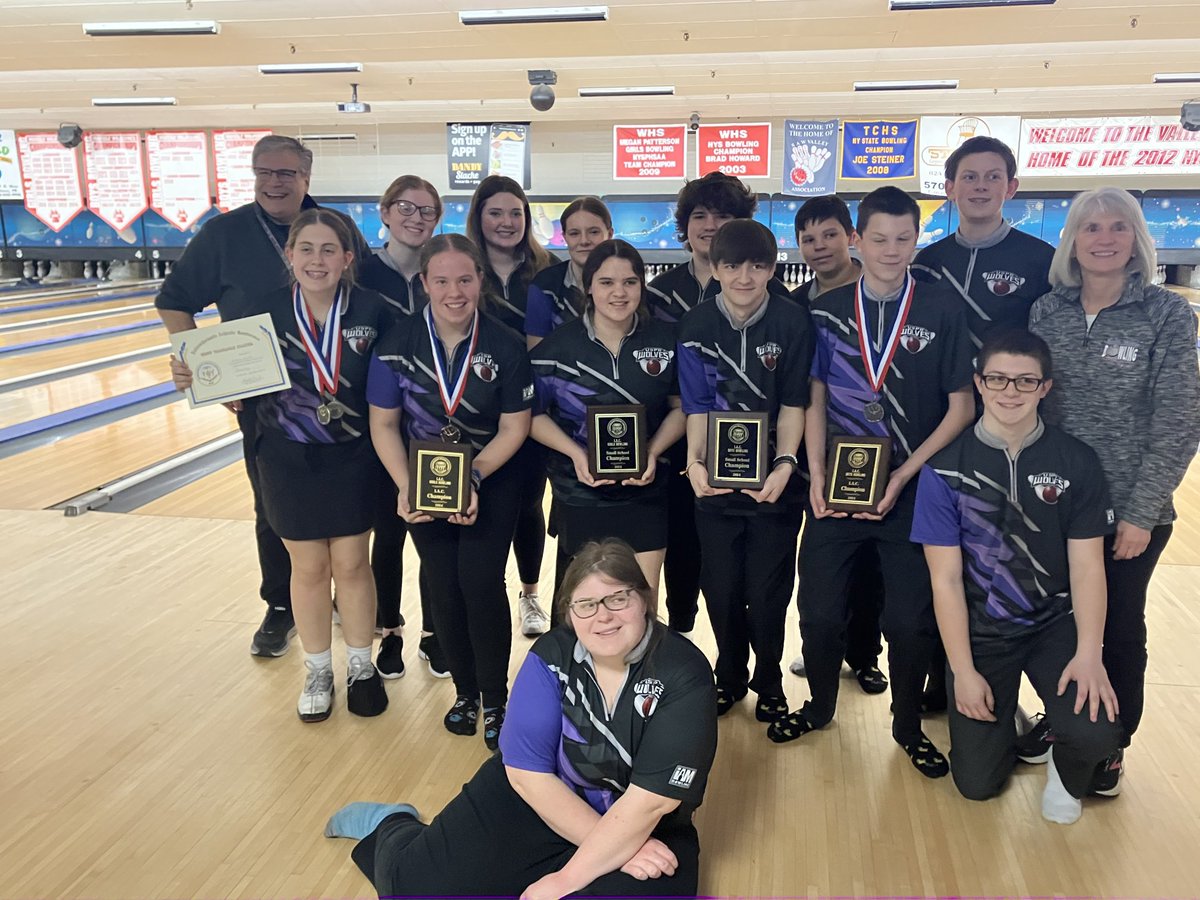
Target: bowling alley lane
{"type": "Point", "coordinates": [225, 494]}
{"type": "Point", "coordinates": [42, 332]}
{"type": "Point", "coordinates": [68, 393]}
{"type": "Point", "coordinates": [93, 308]}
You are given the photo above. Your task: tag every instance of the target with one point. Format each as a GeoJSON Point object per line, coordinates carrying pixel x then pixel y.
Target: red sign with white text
{"type": "Point", "coordinates": [50, 174]}
{"type": "Point", "coordinates": [178, 175]}
{"type": "Point", "coordinates": [1118, 145]}
{"type": "Point", "coordinates": [116, 179]}
{"type": "Point", "coordinates": [735, 149]}
{"type": "Point", "coordinates": [235, 181]}
{"type": "Point", "coordinates": [645, 152]}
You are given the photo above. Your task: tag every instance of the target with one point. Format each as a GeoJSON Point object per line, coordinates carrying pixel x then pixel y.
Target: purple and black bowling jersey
{"type": "Point", "coordinates": [660, 734]}
{"type": "Point", "coordinates": [554, 297]}
{"type": "Point", "coordinates": [932, 361]}
{"type": "Point", "coordinates": [403, 376]}
{"type": "Point", "coordinates": [293, 412]}
{"type": "Point", "coordinates": [677, 291]}
{"type": "Point", "coordinates": [1012, 517]}
{"type": "Point", "coordinates": [572, 370]}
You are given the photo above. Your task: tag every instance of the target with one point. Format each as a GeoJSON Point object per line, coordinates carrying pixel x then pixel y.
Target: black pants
{"type": "Point", "coordinates": [1125, 626]}
{"type": "Point", "coordinates": [387, 562]}
{"type": "Point", "coordinates": [746, 574]}
{"type": "Point", "coordinates": [681, 566]}
{"type": "Point", "coordinates": [464, 565]}
{"type": "Point", "coordinates": [864, 639]}
{"type": "Point", "coordinates": [827, 557]}
{"type": "Point", "coordinates": [529, 533]}
{"type": "Point", "coordinates": [274, 564]}
{"type": "Point", "coordinates": [983, 754]}
{"type": "Point", "coordinates": [489, 842]}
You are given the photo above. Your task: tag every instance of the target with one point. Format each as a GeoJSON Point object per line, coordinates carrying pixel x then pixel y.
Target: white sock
{"type": "Point", "coordinates": [319, 661]}
{"type": "Point", "coordinates": [1057, 805]}
{"type": "Point", "coordinates": [362, 654]}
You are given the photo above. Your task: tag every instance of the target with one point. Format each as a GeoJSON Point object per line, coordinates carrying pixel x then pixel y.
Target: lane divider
{"type": "Point", "coordinates": [31, 324]}
{"type": "Point", "coordinates": [80, 337]}
{"type": "Point", "coordinates": [82, 368]}
{"type": "Point", "coordinates": [6, 310]}
{"type": "Point", "coordinates": [64, 420]}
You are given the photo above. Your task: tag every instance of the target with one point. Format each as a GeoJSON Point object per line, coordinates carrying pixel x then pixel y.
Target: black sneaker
{"type": "Point", "coordinates": [871, 679]}
{"type": "Point", "coordinates": [463, 717]}
{"type": "Point", "coordinates": [1106, 780]}
{"type": "Point", "coordinates": [926, 758]}
{"type": "Point", "coordinates": [1035, 745]}
{"type": "Point", "coordinates": [365, 695]}
{"type": "Point", "coordinates": [390, 660]}
{"type": "Point", "coordinates": [431, 651]}
{"type": "Point", "coordinates": [274, 634]}
{"type": "Point", "coordinates": [493, 721]}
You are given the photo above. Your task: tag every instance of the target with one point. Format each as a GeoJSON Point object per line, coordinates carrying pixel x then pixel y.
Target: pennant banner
{"type": "Point", "coordinates": [50, 175]}
{"type": "Point", "coordinates": [116, 179]}
{"type": "Point", "coordinates": [809, 151]}
{"type": "Point", "coordinates": [179, 189]}
{"type": "Point", "coordinates": [231, 156]}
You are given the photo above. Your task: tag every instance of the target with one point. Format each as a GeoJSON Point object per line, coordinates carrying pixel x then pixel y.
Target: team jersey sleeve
{"type": "Point", "coordinates": [543, 367]}
{"type": "Point", "coordinates": [532, 728]}
{"type": "Point", "coordinates": [677, 748]}
{"type": "Point", "coordinates": [539, 312]}
{"type": "Point", "coordinates": [1091, 513]}
{"type": "Point", "coordinates": [936, 517]}
{"type": "Point", "coordinates": [516, 383]}
{"type": "Point", "coordinates": [958, 353]}
{"type": "Point", "coordinates": [696, 392]}
{"type": "Point", "coordinates": [822, 357]}
{"type": "Point", "coordinates": [383, 388]}
{"type": "Point", "coordinates": [794, 389]}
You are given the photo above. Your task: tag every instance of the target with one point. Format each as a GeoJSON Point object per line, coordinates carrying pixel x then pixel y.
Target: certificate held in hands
{"type": "Point", "coordinates": [857, 473]}
{"type": "Point", "coordinates": [439, 478]}
{"type": "Point", "coordinates": [737, 449]}
{"type": "Point", "coordinates": [233, 360]}
{"type": "Point", "coordinates": [616, 441]}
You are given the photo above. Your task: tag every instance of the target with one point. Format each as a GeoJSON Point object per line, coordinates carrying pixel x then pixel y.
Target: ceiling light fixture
{"type": "Point", "coordinates": [1176, 77]}
{"type": "Point", "coordinates": [533, 16]}
{"type": "Point", "coordinates": [896, 5]}
{"type": "Point", "coordinates": [308, 68]}
{"type": "Point", "coordinates": [140, 29]}
{"type": "Point", "coordinates": [328, 137]}
{"type": "Point", "coordinates": [659, 90]}
{"type": "Point", "coordinates": [948, 84]}
{"type": "Point", "coordinates": [133, 101]}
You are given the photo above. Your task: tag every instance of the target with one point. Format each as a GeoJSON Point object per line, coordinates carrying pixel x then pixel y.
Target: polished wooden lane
{"type": "Point", "coordinates": [68, 393]}
{"type": "Point", "coordinates": [42, 332]}
{"type": "Point", "coordinates": [154, 757]}
{"type": "Point", "coordinates": [37, 479]}
{"type": "Point", "coordinates": [223, 494]}
{"type": "Point", "coordinates": [76, 311]}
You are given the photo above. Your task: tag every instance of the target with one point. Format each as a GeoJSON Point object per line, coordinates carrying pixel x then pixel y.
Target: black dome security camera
{"type": "Point", "coordinates": [541, 97]}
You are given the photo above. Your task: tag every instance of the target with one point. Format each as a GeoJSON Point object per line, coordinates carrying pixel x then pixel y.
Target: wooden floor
{"type": "Point", "coordinates": [144, 753]}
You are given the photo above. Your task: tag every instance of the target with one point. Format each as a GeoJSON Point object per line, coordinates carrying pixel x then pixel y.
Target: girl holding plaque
{"type": "Point", "coordinates": [500, 224]}
{"type": "Point", "coordinates": [318, 472]}
{"type": "Point", "coordinates": [592, 376]}
{"type": "Point", "coordinates": [557, 294]}
{"type": "Point", "coordinates": [457, 376]}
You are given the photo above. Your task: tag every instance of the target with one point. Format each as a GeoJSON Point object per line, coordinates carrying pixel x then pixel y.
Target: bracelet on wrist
{"type": "Point", "coordinates": [786, 458]}
{"type": "Point", "coordinates": [476, 479]}
{"type": "Point", "coordinates": [691, 463]}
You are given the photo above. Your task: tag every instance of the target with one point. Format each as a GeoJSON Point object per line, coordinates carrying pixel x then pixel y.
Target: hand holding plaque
{"type": "Point", "coordinates": [616, 441]}
{"type": "Point", "coordinates": [737, 449]}
{"type": "Point", "coordinates": [439, 478]}
{"type": "Point", "coordinates": [857, 473]}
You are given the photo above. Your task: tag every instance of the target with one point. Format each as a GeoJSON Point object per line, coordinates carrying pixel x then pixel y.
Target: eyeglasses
{"type": "Point", "coordinates": [281, 174]}
{"type": "Point", "coordinates": [428, 213]}
{"type": "Point", "coordinates": [1026, 384]}
{"type": "Point", "coordinates": [586, 607]}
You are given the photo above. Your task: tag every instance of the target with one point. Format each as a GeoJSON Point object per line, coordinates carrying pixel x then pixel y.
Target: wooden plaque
{"type": "Point", "coordinates": [617, 442]}
{"type": "Point", "coordinates": [737, 449]}
{"type": "Point", "coordinates": [439, 478]}
{"type": "Point", "coordinates": [857, 473]}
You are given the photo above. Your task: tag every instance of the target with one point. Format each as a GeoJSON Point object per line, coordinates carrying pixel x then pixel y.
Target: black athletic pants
{"type": "Point", "coordinates": [681, 566]}
{"type": "Point", "coordinates": [488, 842]}
{"type": "Point", "coordinates": [387, 562]}
{"type": "Point", "coordinates": [827, 555]}
{"type": "Point", "coordinates": [274, 564]}
{"type": "Point", "coordinates": [983, 754]}
{"type": "Point", "coordinates": [529, 533]}
{"type": "Point", "coordinates": [746, 574]}
{"type": "Point", "coordinates": [1125, 626]}
{"type": "Point", "coordinates": [464, 565]}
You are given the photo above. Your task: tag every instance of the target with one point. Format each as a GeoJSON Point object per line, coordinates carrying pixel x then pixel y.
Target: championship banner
{"type": "Point", "coordinates": [50, 175]}
{"type": "Point", "coordinates": [808, 148]}
{"type": "Point", "coordinates": [179, 190]}
{"type": "Point", "coordinates": [231, 156]}
{"type": "Point", "coordinates": [1125, 145]}
{"type": "Point", "coordinates": [116, 179]}
{"type": "Point", "coordinates": [735, 149]}
{"type": "Point", "coordinates": [646, 152]}
{"type": "Point", "coordinates": [942, 135]}
{"type": "Point", "coordinates": [878, 151]}
{"type": "Point", "coordinates": [10, 169]}
{"type": "Point", "coordinates": [508, 151]}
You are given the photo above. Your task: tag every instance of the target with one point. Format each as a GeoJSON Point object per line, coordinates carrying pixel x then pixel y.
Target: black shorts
{"type": "Point", "coordinates": [640, 524]}
{"type": "Point", "coordinates": [317, 491]}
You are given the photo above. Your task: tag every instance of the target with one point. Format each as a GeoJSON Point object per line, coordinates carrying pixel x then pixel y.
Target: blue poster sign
{"type": "Point", "coordinates": [809, 148]}
{"type": "Point", "coordinates": [879, 151]}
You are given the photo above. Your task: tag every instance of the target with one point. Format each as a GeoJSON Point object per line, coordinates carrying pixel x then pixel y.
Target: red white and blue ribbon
{"type": "Point", "coordinates": [451, 396]}
{"type": "Point", "coordinates": [877, 368]}
{"type": "Point", "coordinates": [325, 352]}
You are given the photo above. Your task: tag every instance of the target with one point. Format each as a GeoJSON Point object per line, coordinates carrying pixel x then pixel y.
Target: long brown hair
{"type": "Point", "coordinates": [536, 256]}
{"type": "Point", "coordinates": [317, 216]}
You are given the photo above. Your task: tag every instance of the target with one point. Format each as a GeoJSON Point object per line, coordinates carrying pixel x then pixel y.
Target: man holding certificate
{"type": "Point", "coordinates": [744, 358]}
{"type": "Point", "coordinates": [891, 383]}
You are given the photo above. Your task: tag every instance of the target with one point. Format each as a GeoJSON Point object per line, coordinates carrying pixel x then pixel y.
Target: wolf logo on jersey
{"type": "Point", "coordinates": [1049, 486]}
{"type": "Point", "coordinates": [1002, 283]}
{"type": "Point", "coordinates": [915, 338]}
{"type": "Point", "coordinates": [646, 694]}
{"type": "Point", "coordinates": [360, 338]}
{"type": "Point", "coordinates": [768, 355]}
{"type": "Point", "coordinates": [484, 366]}
{"type": "Point", "coordinates": [653, 360]}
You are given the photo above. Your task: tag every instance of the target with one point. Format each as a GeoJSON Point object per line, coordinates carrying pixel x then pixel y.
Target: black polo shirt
{"type": "Point", "coordinates": [677, 291]}
{"type": "Point", "coordinates": [554, 297]}
{"type": "Point", "coordinates": [997, 279]}
{"type": "Point", "coordinates": [660, 733]}
{"type": "Point", "coordinates": [404, 297]}
{"type": "Point", "coordinates": [572, 370]}
{"type": "Point", "coordinates": [1012, 517]}
{"type": "Point", "coordinates": [403, 377]}
{"type": "Point", "coordinates": [932, 361]}
{"type": "Point", "coordinates": [294, 411]}
{"type": "Point", "coordinates": [756, 368]}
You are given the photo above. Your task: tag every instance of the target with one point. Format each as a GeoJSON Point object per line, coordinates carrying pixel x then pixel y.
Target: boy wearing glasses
{"type": "Point", "coordinates": [1013, 516]}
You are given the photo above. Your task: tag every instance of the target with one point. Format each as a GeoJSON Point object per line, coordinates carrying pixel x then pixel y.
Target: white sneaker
{"type": "Point", "coordinates": [316, 699]}
{"type": "Point", "coordinates": [534, 620]}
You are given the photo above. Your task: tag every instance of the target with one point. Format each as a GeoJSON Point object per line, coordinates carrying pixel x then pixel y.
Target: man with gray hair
{"type": "Point", "coordinates": [235, 260]}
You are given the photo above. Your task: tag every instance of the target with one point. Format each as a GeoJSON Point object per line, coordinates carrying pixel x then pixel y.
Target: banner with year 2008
{"type": "Point", "coordinates": [875, 150]}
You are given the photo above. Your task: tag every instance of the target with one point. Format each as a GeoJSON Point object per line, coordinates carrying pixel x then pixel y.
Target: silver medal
{"type": "Point", "coordinates": [873, 411]}
{"type": "Point", "coordinates": [324, 416]}
{"type": "Point", "coordinates": [451, 434]}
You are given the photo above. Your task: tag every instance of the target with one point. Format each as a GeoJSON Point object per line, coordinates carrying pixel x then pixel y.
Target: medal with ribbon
{"type": "Point", "coordinates": [877, 367]}
{"type": "Point", "coordinates": [451, 393]}
{"type": "Point", "coordinates": [324, 352]}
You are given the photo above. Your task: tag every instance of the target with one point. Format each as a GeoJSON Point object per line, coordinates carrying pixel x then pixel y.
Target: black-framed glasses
{"type": "Point", "coordinates": [1026, 384]}
{"type": "Point", "coordinates": [407, 208]}
{"type": "Point", "coordinates": [586, 607]}
{"type": "Point", "coordinates": [281, 174]}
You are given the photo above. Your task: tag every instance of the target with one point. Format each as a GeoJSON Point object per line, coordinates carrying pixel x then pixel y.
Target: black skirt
{"type": "Point", "coordinates": [640, 524]}
{"type": "Point", "coordinates": [316, 491]}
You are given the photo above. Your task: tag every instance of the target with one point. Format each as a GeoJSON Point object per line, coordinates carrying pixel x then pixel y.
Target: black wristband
{"type": "Point", "coordinates": [786, 457]}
